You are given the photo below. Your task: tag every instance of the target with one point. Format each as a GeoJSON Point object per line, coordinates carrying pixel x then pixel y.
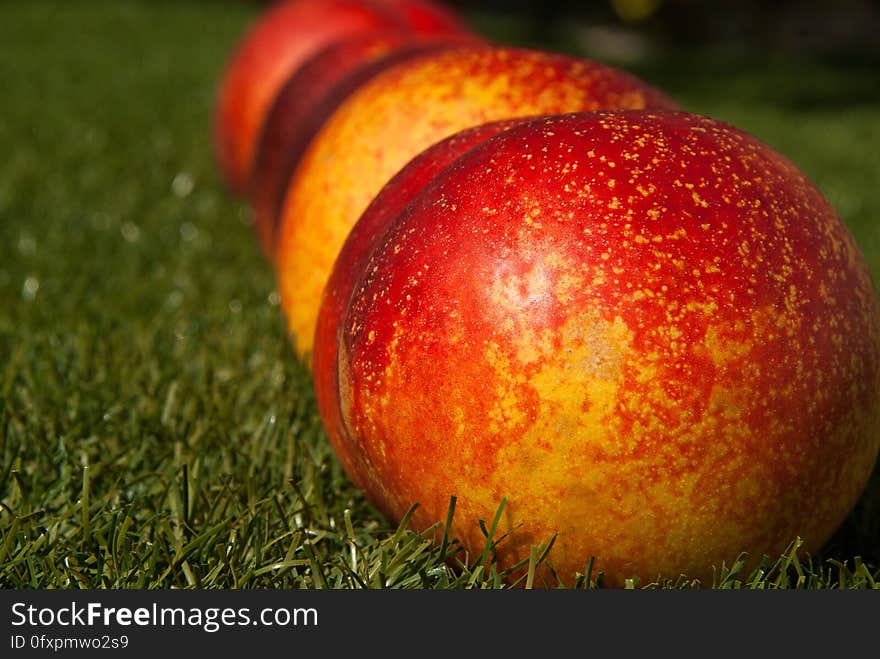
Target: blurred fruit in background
{"type": "Point", "coordinates": [278, 43]}
{"type": "Point", "coordinates": [308, 98]}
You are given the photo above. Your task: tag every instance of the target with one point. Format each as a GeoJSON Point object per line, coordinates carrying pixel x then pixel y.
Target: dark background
{"type": "Point", "coordinates": [634, 29]}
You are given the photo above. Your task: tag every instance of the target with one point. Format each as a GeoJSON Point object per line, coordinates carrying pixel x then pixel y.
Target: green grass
{"type": "Point", "coordinates": [155, 428]}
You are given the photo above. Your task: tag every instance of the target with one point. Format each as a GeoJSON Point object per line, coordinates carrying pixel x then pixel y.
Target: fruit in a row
{"type": "Point", "coordinates": [645, 330]}
{"type": "Point", "coordinates": [282, 40]}
{"type": "Point", "coordinates": [400, 112]}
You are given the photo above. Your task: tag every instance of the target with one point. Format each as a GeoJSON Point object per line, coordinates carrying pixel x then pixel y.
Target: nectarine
{"type": "Point", "coordinates": [648, 331]}
{"type": "Point", "coordinates": [400, 112]}
{"type": "Point", "coordinates": [280, 41]}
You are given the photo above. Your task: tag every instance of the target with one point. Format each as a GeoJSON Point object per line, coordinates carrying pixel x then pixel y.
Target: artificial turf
{"type": "Point", "coordinates": [156, 430]}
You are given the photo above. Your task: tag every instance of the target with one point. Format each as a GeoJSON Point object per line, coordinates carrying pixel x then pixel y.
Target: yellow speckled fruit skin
{"type": "Point", "coordinates": [401, 112]}
{"type": "Point", "coordinates": [647, 331]}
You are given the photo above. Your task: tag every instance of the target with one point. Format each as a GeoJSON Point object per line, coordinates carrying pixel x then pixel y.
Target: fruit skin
{"type": "Point", "coordinates": [648, 331]}
{"type": "Point", "coordinates": [357, 249]}
{"type": "Point", "coordinates": [397, 114]}
{"type": "Point", "coordinates": [306, 100]}
{"type": "Point", "coordinates": [279, 42]}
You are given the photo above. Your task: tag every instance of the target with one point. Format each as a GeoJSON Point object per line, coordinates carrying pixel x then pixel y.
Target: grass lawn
{"type": "Point", "coordinates": [156, 430]}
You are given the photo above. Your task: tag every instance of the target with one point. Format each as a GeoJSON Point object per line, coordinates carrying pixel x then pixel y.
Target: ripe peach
{"type": "Point", "coordinates": [648, 331]}
{"type": "Point", "coordinates": [309, 96]}
{"type": "Point", "coordinates": [278, 43]}
{"type": "Point", "coordinates": [399, 113]}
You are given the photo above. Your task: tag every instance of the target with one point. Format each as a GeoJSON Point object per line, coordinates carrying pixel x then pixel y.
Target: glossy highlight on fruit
{"type": "Point", "coordinates": [364, 238]}
{"type": "Point", "coordinates": [402, 111]}
{"type": "Point", "coordinates": [647, 331]}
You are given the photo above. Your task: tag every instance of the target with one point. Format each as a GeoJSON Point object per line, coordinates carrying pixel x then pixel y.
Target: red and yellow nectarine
{"type": "Point", "coordinates": [400, 112]}
{"type": "Point", "coordinates": [648, 331]}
